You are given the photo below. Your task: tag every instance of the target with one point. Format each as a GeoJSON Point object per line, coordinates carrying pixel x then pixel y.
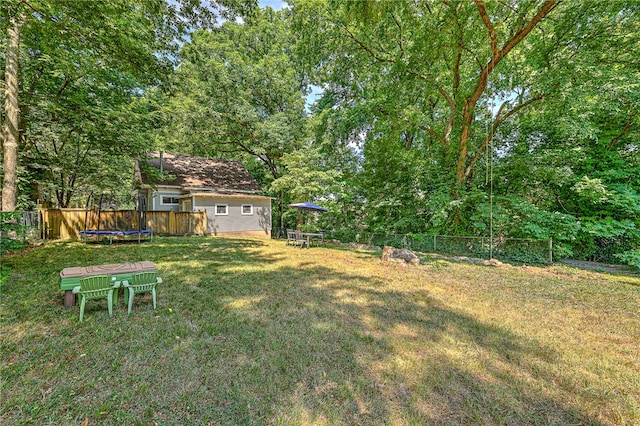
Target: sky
{"type": "Point", "coordinates": [274, 4]}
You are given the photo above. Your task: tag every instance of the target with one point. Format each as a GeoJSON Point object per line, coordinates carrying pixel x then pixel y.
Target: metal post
{"type": "Point", "coordinates": [23, 217]}
{"type": "Point", "coordinates": [550, 251]}
{"type": "Point", "coordinates": [434, 242]}
{"type": "Point", "coordinates": [99, 210]}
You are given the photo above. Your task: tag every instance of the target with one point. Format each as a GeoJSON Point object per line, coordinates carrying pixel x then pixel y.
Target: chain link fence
{"type": "Point", "coordinates": [507, 249]}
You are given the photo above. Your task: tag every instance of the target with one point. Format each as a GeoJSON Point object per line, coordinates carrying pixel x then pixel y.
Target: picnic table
{"type": "Point", "coordinates": [299, 238]}
{"type": "Point", "coordinates": [310, 235]}
{"type": "Point", "coordinates": [70, 277]}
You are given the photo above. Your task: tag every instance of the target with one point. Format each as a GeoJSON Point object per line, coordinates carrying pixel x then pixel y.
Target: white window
{"type": "Point", "coordinates": [246, 209]}
{"type": "Point", "coordinates": [170, 200]}
{"type": "Point", "coordinates": [222, 209]}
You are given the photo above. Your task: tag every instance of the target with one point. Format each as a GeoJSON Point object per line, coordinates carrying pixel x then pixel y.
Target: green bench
{"type": "Point", "coordinates": [70, 277]}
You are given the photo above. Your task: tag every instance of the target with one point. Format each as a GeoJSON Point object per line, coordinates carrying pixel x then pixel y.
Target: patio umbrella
{"type": "Point", "coordinates": [308, 206]}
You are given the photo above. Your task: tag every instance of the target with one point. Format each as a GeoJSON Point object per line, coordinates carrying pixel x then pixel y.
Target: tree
{"type": "Point", "coordinates": [576, 153]}
{"type": "Point", "coordinates": [11, 112]}
{"type": "Point", "coordinates": [306, 178]}
{"type": "Point", "coordinates": [429, 85]}
{"type": "Point", "coordinates": [72, 57]}
{"type": "Point", "coordinates": [238, 93]}
{"type": "Point", "coordinates": [426, 68]}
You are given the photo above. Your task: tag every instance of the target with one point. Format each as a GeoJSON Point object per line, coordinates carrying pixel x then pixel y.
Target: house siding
{"type": "Point", "coordinates": [154, 199]}
{"type": "Point", "coordinates": [234, 222]}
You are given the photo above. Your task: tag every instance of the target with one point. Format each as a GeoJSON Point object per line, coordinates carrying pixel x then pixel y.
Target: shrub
{"type": "Point", "coordinates": [10, 230]}
{"type": "Point", "coordinates": [631, 257]}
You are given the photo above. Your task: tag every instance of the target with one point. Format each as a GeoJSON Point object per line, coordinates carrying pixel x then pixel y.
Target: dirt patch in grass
{"type": "Point", "coordinates": [601, 267]}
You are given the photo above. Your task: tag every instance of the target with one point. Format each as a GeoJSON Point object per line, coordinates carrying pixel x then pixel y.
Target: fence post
{"type": "Point", "coordinates": [43, 225]}
{"type": "Point", "coordinates": [550, 251]}
{"type": "Point", "coordinates": [172, 222]}
{"type": "Point", "coordinates": [23, 227]}
{"type": "Point", "coordinates": [434, 242]}
{"type": "Point", "coordinates": [40, 224]}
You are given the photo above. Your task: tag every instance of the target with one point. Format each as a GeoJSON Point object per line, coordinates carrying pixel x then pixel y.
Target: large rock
{"type": "Point", "coordinates": [363, 247]}
{"type": "Point", "coordinates": [392, 254]}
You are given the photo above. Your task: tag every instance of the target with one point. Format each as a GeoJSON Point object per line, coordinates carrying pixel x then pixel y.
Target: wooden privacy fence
{"type": "Point", "coordinates": [66, 223]}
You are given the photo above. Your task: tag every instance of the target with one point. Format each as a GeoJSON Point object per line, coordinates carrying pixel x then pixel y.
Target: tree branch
{"type": "Point", "coordinates": [624, 132]}
{"type": "Point", "coordinates": [449, 127]}
{"type": "Point", "coordinates": [52, 19]}
{"type": "Point", "coordinates": [471, 101]}
{"type": "Point", "coordinates": [419, 126]}
{"type": "Point", "coordinates": [487, 23]}
{"type": "Point", "coordinates": [367, 48]}
{"type": "Point", "coordinates": [399, 29]}
{"type": "Point", "coordinates": [499, 120]}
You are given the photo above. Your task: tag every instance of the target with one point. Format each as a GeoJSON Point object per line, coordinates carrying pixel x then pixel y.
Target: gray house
{"type": "Point", "coordinates": [224, 189]}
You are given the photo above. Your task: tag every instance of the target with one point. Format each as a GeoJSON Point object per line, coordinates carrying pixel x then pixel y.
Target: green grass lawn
{"type": "Point", "coordinates": [253, 332]}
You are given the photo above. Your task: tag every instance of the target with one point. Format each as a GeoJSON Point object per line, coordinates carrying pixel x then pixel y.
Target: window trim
{"type": "Point", "coordinates": [226, 210]}
{"type": "Point", "coordinates": [172, 197]}
{"type": "Point", "coordinates": [242, 206]}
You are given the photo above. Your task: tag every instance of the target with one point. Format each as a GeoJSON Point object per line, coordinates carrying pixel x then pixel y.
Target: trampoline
{"type": "Point", "coordinates": [140, 234]}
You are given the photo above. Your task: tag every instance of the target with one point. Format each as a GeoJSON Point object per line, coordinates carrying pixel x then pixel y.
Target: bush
{"type": "Point", "coordinates": [10, 230]}
{"type": "Point", "coordinates": [343, 235]}
{"type": "Point", "coordinates": [393, 240]}
{"type": "Point", "coordinates": [631, 258]}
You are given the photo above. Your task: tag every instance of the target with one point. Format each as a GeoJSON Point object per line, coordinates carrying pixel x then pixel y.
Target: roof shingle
{"type": "Point", "coordinates": [201, 173]}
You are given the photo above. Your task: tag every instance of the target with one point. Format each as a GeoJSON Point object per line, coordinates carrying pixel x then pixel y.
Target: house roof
{"type": "Point", "coordinates": [226, 195]}
{"type": "Point", "coordinates": [201, 173]}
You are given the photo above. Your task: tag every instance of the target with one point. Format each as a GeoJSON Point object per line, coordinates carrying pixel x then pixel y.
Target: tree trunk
{"type": "Point", "coordinates": [497, 55]}
{"type": "Point", "coordinates": [12, 116]}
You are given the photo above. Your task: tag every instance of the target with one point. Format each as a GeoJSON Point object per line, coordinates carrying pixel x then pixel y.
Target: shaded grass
{"type": "Point", "coordinates": [254, 332]}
